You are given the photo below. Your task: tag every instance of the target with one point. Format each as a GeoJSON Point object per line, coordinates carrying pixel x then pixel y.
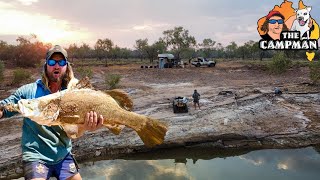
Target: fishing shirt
{"type": "Point", "coordinates": [48, 144]}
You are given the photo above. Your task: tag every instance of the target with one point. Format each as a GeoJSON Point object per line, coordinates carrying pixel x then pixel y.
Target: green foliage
{"type": "Point", "coordinates": [1, 71]}
{"type": "Point", "coordinates": [20, 76]}
{"type": "Point", "coordinates": [103, 47]}
{"type": "Point", "coordinates": [178, 39]}
{"type": "Point", "coordinates": [279, 64]}
{"type": "Point", "coordinates": [84, 72]}
{"type": "Point", "coordinates": [300, 63]}
{"type": "Point", "coordinates": [112, 80]}
{"type": "Point", "coordinates": [314, 72]}
{"type": "Point", "coordinates": [29, 51]}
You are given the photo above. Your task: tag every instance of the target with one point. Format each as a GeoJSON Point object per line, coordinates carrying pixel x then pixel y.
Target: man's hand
{"type": "Point", "coordinates": [92, 121]}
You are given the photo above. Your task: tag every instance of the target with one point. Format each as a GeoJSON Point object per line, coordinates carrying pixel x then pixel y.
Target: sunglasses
{"type": "Point", "coordinates": [52, 62]}
{"type": "Point", "coordinates": [273, 21]}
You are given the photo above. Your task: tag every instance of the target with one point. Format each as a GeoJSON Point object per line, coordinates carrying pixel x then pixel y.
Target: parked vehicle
{"type": "Point", "coordinates": [201, 61]}
{"type": "Point", "coordinates": [166, 60]}
{"type": "Point", "coordinates": [169, 61]}
{"type": "Point", "coordinates": [180, 105]}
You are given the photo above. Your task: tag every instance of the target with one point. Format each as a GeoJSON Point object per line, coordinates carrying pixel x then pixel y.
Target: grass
{"type": "Point", "coordinates": [20, 76]}
{"type": "Point", "coordinates": [112, 81]}
{"type": "Point", "coordinates": [84, 72]}
{"type": "Point", "coordinates": [279, 64]}
{"type": "Point", "coordinates": [314, 75]}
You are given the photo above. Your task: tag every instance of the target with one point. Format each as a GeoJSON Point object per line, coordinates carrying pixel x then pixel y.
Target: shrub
{"type": "Point", "coordinates": [1, 71]}
{"type": "Point", "coordinates": [112, 80]}
{"type": "Point", "coordinates": [84, 71]}
{"type": "Point", "coordinates": [279, 64]}
{"type": "Point", "coordinates": [20, 76]}
{"type": "Point", "coordinates": [314, 74]}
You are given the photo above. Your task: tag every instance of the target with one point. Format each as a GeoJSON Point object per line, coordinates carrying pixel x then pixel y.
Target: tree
{"type": "Point", "coordinates": [72, 51]}
{"type": "Point", "coordinates": [160, 46]}
{"type": "Point", "coordinates": [103, 48]}
{"type": "Point", "coordinates": [231, 50]}
{"type": "Point", "coordinates": [3, 50]}
{"type": "Point", "coordinates": [178, 39]}
{"type": "Point", "coordinates": [29, 52]}
{"type": "Point", "coordinates": [207, 47]}
{"type": "Point", "coordinates": [150, 51]}
{"type": "Point", "coordinates": [84, 51]}
{"type": "Point", "coordinates": [141, 45]}
{"type": "Point", "coordinates": [220, 50]}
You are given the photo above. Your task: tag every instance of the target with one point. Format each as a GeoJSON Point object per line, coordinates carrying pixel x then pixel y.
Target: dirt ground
{"type": "Point", "coordinates": [255, 118]}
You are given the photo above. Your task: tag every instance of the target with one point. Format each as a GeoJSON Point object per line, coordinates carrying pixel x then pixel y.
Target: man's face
{"type": "Point", "coordinates": [274, 26]}
{"type": "Point", "coordinates": [56, 72]}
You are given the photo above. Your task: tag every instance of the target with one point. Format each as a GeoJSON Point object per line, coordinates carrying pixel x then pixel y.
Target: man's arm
{"type": "Point", "coordinates": [1, 113]}
{"type": "Point", "coordinates": [20, 93]}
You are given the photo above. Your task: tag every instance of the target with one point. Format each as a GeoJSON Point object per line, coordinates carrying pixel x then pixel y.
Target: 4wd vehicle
{"type": "Point", "coordinates": [180, 105]}
{"type": "Point", "coordinates": [203, 62]}
{"type": "Point", "coordinates": [166, 60]}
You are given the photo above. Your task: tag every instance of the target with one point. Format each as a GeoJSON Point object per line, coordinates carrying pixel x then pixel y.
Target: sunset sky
{"type": "Point", "coordinates": [124, 21]}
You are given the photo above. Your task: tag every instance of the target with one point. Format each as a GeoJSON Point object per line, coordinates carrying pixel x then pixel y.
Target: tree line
{"type": "Point", "coordinates": [29, 51]}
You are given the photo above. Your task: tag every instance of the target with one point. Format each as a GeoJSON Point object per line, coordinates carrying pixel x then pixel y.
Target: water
{"type": "Point", "coordinates": [289, 164]}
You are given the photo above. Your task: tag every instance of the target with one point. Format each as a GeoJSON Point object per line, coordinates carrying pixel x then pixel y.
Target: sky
{"type": "Point", "coordinates": [124, 21]}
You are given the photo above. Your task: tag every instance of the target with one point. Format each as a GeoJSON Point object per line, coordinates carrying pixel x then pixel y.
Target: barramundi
{"type": "Point", "coordinates": [68, 108]}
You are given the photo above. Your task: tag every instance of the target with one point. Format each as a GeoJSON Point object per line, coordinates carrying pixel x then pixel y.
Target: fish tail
{"type": "Point", "coordinates": [152, 132]}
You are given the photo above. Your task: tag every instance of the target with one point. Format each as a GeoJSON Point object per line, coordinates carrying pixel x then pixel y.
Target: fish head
{"type": "Point", "coordinates": [29, 107]}
{"type": "Point", "coordinates": [35, 110]}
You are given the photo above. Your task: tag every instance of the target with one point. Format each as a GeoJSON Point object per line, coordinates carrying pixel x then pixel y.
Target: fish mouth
{"type": "Point", "coordinates": [28, 108]}
{"type": "Point", "coordinates": [10, 107]}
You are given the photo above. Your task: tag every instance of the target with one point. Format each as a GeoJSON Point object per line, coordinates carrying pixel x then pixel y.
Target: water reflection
{"type": "Point", "coordinates": [272, 164]}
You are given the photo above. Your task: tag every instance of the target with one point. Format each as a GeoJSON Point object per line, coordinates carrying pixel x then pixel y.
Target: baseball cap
{"type": "Point", "coordinates": [57, 49]}
{"type": "Point", "coordinates": [274, 13]}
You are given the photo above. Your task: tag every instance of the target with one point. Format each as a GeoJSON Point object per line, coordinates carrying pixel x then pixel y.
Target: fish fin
{"type": "Point", "coordinates": [72, 119]}
{"type": "Point", "coordinates": [72, 83]}
{"type": "Point", "coordinates": [122, 98]}
{"type": "Point", "coordinates": [73, 130]}
{"type": "Point", "coordinates": [84, 83]}
{"type": "Point", "coordinates": [114, 128]}
{"type": "Point", "coordinates": [153, 132]}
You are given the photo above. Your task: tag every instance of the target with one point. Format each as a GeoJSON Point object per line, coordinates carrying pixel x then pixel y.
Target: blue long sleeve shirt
{"type": "Point", "coordinates": [48, 144]}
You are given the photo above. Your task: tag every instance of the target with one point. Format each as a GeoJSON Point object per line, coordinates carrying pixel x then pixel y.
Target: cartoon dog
{"type": "Point", "coordinates": [302, 21]}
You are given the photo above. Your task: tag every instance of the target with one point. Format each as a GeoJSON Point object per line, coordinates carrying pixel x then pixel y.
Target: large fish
{"type": "Point", "coordinates": [68, 109]}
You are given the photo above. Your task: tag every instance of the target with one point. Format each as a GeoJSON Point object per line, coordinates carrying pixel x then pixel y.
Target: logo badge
{"type": "Point", "coordinates": [72, 168]}
{"type": "Point", "coordinates": [287, 28]}
{"type": "Point", "coordinates": [40, 169]}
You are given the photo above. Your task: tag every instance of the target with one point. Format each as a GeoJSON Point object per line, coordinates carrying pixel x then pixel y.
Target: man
{"type": "Point", "coordinates": [196, 98]}
{"type": "Point", "coordinates": [46, 151]}
{"type": "Point", "coordinates": [273, 26]}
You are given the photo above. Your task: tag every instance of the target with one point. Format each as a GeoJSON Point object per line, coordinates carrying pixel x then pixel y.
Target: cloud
{"type": "Point", "coordinates": [27, 2]}
{"type": "Point", "coordinates": [125, 21]}
{"type": "Point", "coordinates": [122, 169]}
{"type": "Point", "coordinates": [299, 160]}
{"type": "Point", "coordinates": [47, 28]}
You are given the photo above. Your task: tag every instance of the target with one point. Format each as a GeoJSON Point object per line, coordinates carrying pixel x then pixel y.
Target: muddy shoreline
{"type": "Point", "coordinates": [255, 119]}
{"type": "Point", "coordinates": [259, 121]}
